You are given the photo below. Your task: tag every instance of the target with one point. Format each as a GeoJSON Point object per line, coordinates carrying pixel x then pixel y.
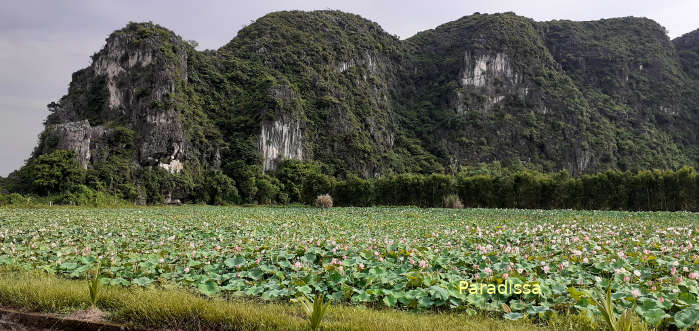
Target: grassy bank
{"type": "Point", "coordinates": [172, 307]}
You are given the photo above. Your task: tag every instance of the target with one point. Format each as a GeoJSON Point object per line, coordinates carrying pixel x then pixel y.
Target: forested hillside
{"type": "Point", "coordinates": [301, 99]}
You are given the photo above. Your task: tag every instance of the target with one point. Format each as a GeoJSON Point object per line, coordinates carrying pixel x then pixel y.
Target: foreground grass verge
{"type": "Point", "coordinates": [176, 308]}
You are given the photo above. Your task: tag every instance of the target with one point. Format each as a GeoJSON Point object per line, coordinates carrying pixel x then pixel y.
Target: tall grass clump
{"type": "Point", "coordinates": [94, 285]}
{"type": "Point", "coordinates": [627, 321]}
{"type": "Point", "coordinates": [323, 201]}
{"type": "Point", "coordinates": [315, 310]}
{"type": "Point", "coordinates": [452, 201]}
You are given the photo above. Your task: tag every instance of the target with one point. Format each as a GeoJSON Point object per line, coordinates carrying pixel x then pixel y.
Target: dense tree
{"type": "Point", "coordinates": [53, 173]}
{"type": "Point", "coordinates": [216, 189]}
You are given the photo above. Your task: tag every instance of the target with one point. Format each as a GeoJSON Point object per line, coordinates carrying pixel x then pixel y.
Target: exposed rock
{"type": "Point", "coordinates": [490, 74]}
{"type": "Point", "coordinates": [332, 87]}
{"type": "Point", "coordinates": [174, 167]}
{"type": "Point", "coordinates": [139, 68]}
{"type": "Point", "coordinates": [73, 136]}
{"type": "Point", "coordinates": [367, 61]}
{"type": "Point", "coordinates": [280, 139]}
{"type": "Point", "coordinates": [80, 137]}
{"type": "Point", "coordinates": [482, 70]}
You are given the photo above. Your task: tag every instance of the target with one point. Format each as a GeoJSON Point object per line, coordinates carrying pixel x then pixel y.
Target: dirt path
{"type": "Point", "coordinates": [15, 320]}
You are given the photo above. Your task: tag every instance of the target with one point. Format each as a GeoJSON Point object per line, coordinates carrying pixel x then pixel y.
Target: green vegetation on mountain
{"type": "Point", "coordinates": [299, 103]}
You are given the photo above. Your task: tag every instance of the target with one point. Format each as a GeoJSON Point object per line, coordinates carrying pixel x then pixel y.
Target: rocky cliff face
{"type": "Point", "coordinates": [342, 69]}
{"type": "Point", "coordinates": [511, 101]}
{"type": "Point", "coordinates": [130, 83]}
{"type": "Point", "coordinates": [282, 137]}
{"type": "Point", "coordinates": [333, 87]}
{"type": "Point", "coordinates": [491, 75]}
{"type": "Point", "coordinates": [86, 141]}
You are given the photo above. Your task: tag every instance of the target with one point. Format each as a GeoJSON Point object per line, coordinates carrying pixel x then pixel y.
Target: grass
{"type": "Point", "coordinates": [173, 307]}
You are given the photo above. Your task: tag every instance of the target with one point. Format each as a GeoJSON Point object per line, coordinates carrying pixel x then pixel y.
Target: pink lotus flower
{"type": "Point", "coordinates": [505, 276]}
{"type": "Point", "coordinates": [361, 266]}
{"type": "Point", "coordinates": [488, 270]}
{"type": "Point", "coordinates": [423, 264]}
{"type": "Point", "coordinates": [636, 293]}
{"type": "Point", "coordinates": [627, 278]}
{"type": "Point", "coordinates": [661, 299]}
{"type": "Point", "coordinates": [298, 265]}
{"type": "Point", "coordinates": [693, 275]}
{"type": "Point", "coordinates": [673, 271]}
{"type": "Point", "coordinates": [186, 269]}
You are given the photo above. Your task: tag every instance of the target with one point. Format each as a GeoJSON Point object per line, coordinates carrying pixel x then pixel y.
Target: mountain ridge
{"type": "Point", "coordinates": [336, 89]}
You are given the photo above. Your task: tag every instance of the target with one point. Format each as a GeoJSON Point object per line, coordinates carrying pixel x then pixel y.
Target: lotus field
{"type": "Point", "coordinates": [406, 258]}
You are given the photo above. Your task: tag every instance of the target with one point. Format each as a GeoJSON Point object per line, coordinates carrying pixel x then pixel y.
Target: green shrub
{"type": "Point", "coordinates": [13, 199]}
{"type": "Point", "coordinates": [57, 172]}
{"type": "Point", "coordinates": [315, 184]}
{"type": "Point", "coordinates": [267, 189]}
{"type": "Point", "coordinates": [80, 195]}
{"type": "Point", "coordinates": [217, 189]}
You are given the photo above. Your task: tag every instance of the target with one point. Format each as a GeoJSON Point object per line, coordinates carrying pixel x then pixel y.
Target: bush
{"type": "Point", "coordinates": [80, 195]}
{"type": "Point", "coordinates": [216, 189]}
{"type": "Point", "coordinates": [316, 184]}
{"type": "Point", "coordinates": [267, 189]}
{"type": "Point", "coordinates": [452, 201]}
{"type": "Point", "coordinates": [13, 199]}
{"type": "Point", "coordinates": [354, 191]}
{"type": "Point", "coordinates": [57, 172]}
{"type": "Point", "coordinates": [324, 201]}
{"type": "Point", "coordinates": [292, 174]}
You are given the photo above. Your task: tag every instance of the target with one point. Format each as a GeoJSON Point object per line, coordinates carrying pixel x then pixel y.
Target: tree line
{"type": "Point", "coordinates": [58, 176]}
{"type": "Point", "coordinates": [654, 190]}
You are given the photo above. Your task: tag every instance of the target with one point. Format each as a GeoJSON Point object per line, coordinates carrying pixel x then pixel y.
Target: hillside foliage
{"type": "Point", "coordinates": [612, 98]}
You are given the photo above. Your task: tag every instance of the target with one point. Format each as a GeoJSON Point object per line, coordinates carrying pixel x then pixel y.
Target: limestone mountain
{"type": "Point", "coordinates": [336, 89]}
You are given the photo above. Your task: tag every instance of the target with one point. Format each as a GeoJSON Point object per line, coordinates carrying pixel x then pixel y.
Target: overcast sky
{"type": "Point", "coordinates": [42, 41]}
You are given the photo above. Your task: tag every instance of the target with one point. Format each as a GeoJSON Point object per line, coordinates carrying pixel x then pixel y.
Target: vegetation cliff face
{"type": "Point", "coordinates": [487, 89]}
{"type": "Point", "coordinates": [127, 103]}
{"type": "Point", "coordinates": [332, 74]}
{"type": "Point", "coordinates": [581, 96]}
{"type": "Point", "coordinates": [333, 88]}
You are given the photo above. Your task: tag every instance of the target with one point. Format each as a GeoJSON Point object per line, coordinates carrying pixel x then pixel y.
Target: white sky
{"type": "Point", "coordinates": [43, 42]}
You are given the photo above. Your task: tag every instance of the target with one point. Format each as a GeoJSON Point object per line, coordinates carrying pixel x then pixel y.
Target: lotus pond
{"type": "Point", "coordinates": [406, 258]}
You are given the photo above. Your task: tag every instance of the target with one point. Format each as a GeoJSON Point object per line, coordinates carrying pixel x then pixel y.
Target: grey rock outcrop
{"type": "Point", "coordinates": [136, 74]}
{"type": "Point", "coordinates": [86, 141]}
